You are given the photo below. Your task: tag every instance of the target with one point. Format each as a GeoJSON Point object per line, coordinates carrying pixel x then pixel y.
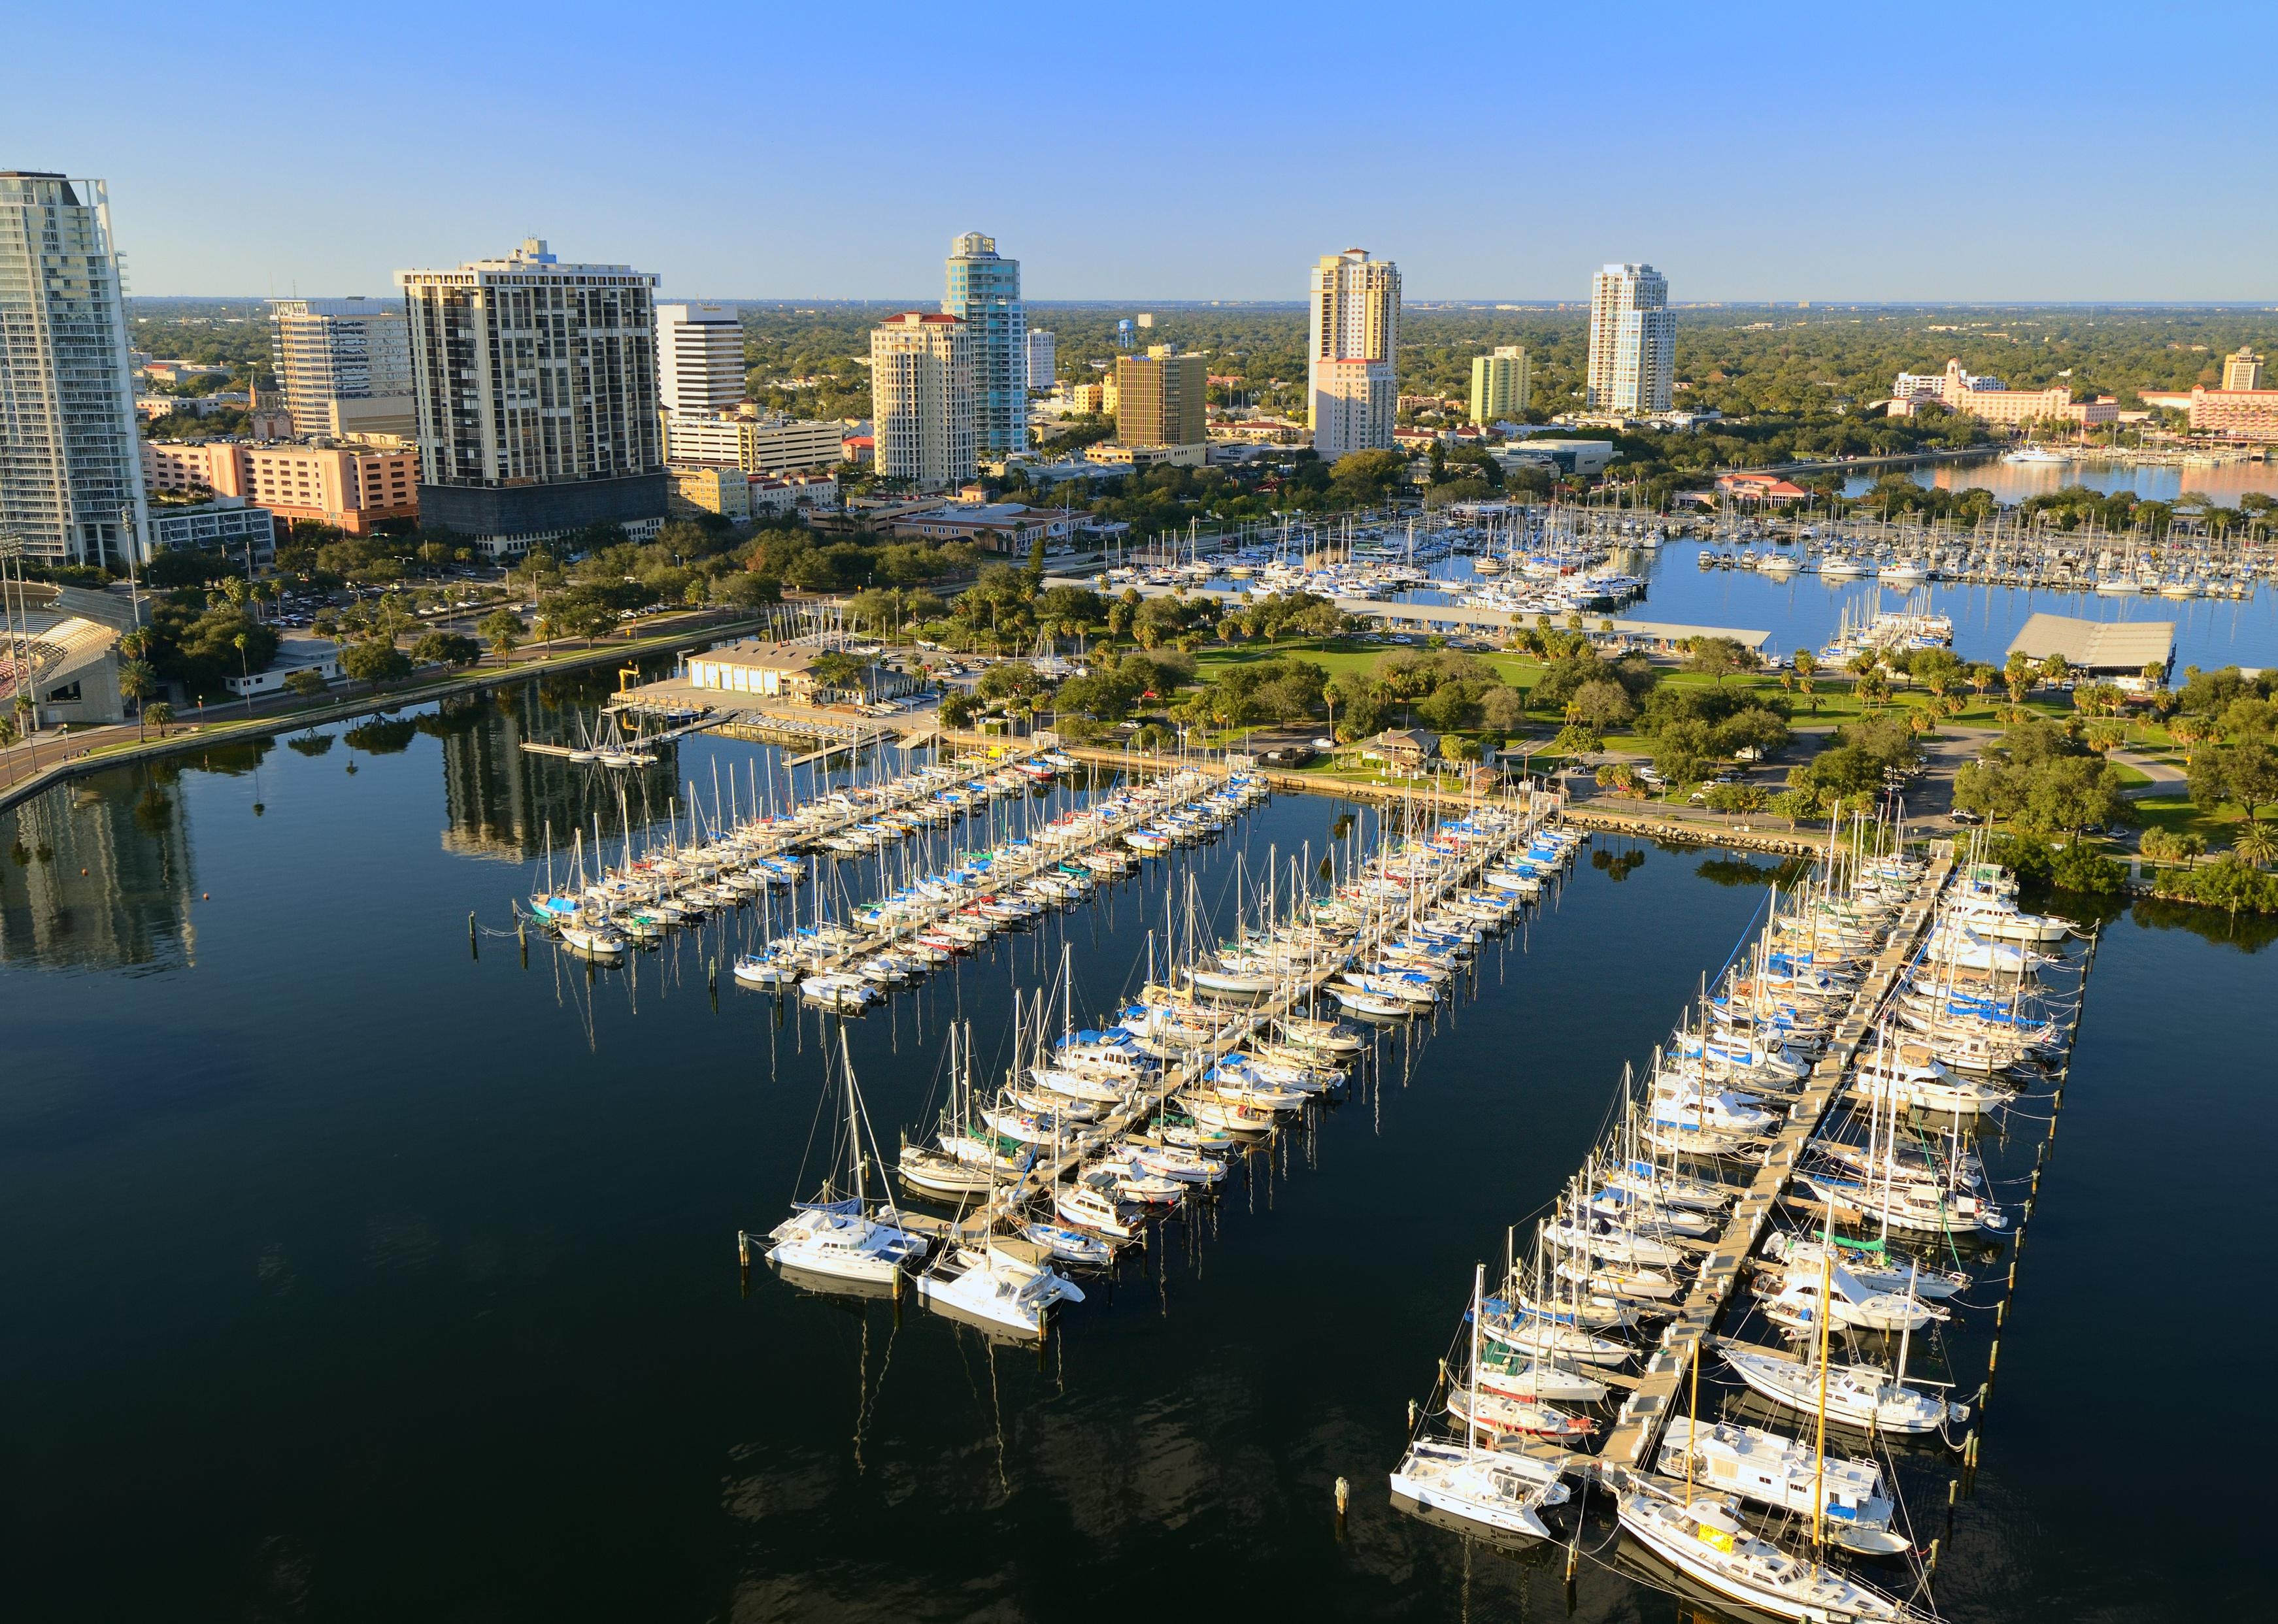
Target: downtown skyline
{"type": "Point", "coordinates": [1831, 168]}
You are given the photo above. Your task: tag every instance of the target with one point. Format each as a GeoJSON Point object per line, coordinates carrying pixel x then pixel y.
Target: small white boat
{"type": "Point", "coordinates": [1506, 1492]}
{"type": "Point", "coordinates": [1070, 1245]}
{"type": "Point", "coordinates": [1006, 1286]}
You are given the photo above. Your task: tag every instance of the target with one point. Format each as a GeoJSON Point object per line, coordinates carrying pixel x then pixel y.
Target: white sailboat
{"type": "Point", "coordinates": [841, 1237]}
{"type": "Point", "coordinates": [1704, 1540]}
{"type": "Point", "coordinates": [1501, 1490]}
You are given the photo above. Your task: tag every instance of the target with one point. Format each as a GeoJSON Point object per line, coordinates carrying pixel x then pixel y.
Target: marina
{"type": "Point", "coordinates": [664, 1117]}
{"type": "Point", "coordinates": [1883, 986]}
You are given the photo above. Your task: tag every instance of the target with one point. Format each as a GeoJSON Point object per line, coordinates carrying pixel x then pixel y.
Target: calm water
{"type": "Point", "coordinates": [353, 1277]}
{"type": "Point", "coordinates": [1803, 611]}
{"type": "Point", "coordinates": [2013, 481]}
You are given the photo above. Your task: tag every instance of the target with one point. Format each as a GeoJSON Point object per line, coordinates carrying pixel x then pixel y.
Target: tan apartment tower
{"type": "Point", "coordinates": [534, 383]}
{"type": "Point", "coordinates": [1350, 387]}
{"type": "Point", "coordinates": [922, 401]}
{"type": "Point", "coordinates": [2243, 371]}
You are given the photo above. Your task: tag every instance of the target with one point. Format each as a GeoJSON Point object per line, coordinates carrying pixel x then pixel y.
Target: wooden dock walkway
{"type": "Point", "coordinates": [1241, 1023]}
{"type": "Point", "coordinates": [1637, 1428]}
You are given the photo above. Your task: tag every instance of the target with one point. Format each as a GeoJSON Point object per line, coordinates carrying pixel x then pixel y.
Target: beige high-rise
{"type": "Point", "coordinates": [2243, 371]}
{"type": "Point", "coordinates": [1351, 391]}
{"type": "Point", "coordinates": [921, 406]}
{"type": "Point", "coordinates": [1632, 340]}
{"type": "Point", "coordinates": [344, 365]}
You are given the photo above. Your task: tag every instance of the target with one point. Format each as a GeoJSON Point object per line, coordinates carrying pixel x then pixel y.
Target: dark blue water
{"type": "Point", "coordinates": [352, 1277]}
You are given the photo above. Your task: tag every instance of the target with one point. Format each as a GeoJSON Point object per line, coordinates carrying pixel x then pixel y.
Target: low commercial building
{"type": "Point", "coordinates": [227, 524]}
{"type": "Point", "coordinates": [1759, 488]}
{"type": "Point", "coordinates": [995, 527]}
{"type": "Point", "coordinates": [352, 488]}
{"type": "Point", "coordinates": [1116, 454]}
{"type": "Point", "coordinates": [1403, 747]}
{"type": "Point", "coordinates": [69, 663]}
{"type": "Point", "coordinates": [320, 655]}
{"type": "Point", "coordinates": [772, 444]}
{"type": "Point", "coordinates": [1580, 458]}
{"type": "Point", "coordinates": [2119, 649]}
{"type": "Point", "coordinates": [707, 488]}
{"type": "Point", "coordinates": [769, 670]}
{"type": "Point", "coordinates": [181, 371]}
{"type": "Point", "coordinates": [783, 493]}
{"type": "Point", "coordinates": [1258, 431]}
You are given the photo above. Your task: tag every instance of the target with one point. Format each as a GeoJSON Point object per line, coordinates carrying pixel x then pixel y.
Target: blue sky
{"type": "Point", "coordinates": [1166, 152]}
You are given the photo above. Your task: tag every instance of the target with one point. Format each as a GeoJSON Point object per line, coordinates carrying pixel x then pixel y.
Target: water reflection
{"type": "Point", "coordinates": [98, 878]}
{"type": "Point", "coordinates": [504, 802]}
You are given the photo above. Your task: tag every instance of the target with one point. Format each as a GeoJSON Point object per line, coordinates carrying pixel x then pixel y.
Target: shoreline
{"type": "Point", "coordinates": [191, 736]}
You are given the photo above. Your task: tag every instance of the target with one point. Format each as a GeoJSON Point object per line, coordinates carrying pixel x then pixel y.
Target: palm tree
{"type": "Point", "coordinates": [2256, 842]}
{"type": "Point", "coordinates": [137, 682]}
{"type": "Point", "coordinates": [159, 716]}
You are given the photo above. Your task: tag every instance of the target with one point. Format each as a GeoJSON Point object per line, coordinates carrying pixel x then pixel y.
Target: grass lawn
{"type": "Point", "coordinates": [2178, 816]}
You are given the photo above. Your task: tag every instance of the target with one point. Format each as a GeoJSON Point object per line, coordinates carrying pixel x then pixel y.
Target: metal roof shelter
{"type": "Point", "coordinates": [2104, 648]}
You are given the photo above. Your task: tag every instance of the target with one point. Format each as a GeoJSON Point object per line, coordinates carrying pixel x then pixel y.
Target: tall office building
{"type": "Point", "coordinates": [1160, 398]}
{"type": "Point", "coordinates": [71, 460]}
{"type": "Point", "coordinates": [699, 359]}
{"type": "Point", "coordinates": [536, 390]}
{"type": "Point", "coordinates": [2243, 371]}
{"type": "Point", "coordinates": [1499, 384]}
{"type": "Point", "coordinates": [1350, 387]}
{"type": "Point", "coordinates": [1633, 340]}
{"type": "Point", "coordinates": [1043, 359]}
{"type": "Point", "coordinates": [984, 293]}
{"type": "Point", "coordinates": [344, 365]}
{"type": "Point", "coordinates": [921, 398]}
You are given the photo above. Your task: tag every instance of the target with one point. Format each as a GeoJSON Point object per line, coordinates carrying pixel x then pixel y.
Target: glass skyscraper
{"type": "Point", "coordinates": [984, 293]}
{"type": "Point", "coordinates": [70, 460]}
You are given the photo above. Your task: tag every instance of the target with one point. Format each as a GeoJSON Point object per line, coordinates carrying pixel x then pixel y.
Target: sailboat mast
{"type": "Point", "coordinates": [853, 1117]}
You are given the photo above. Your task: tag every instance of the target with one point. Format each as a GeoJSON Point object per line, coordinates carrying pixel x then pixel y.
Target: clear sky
{"type": "Point", "coordinates": [1879, 151]}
